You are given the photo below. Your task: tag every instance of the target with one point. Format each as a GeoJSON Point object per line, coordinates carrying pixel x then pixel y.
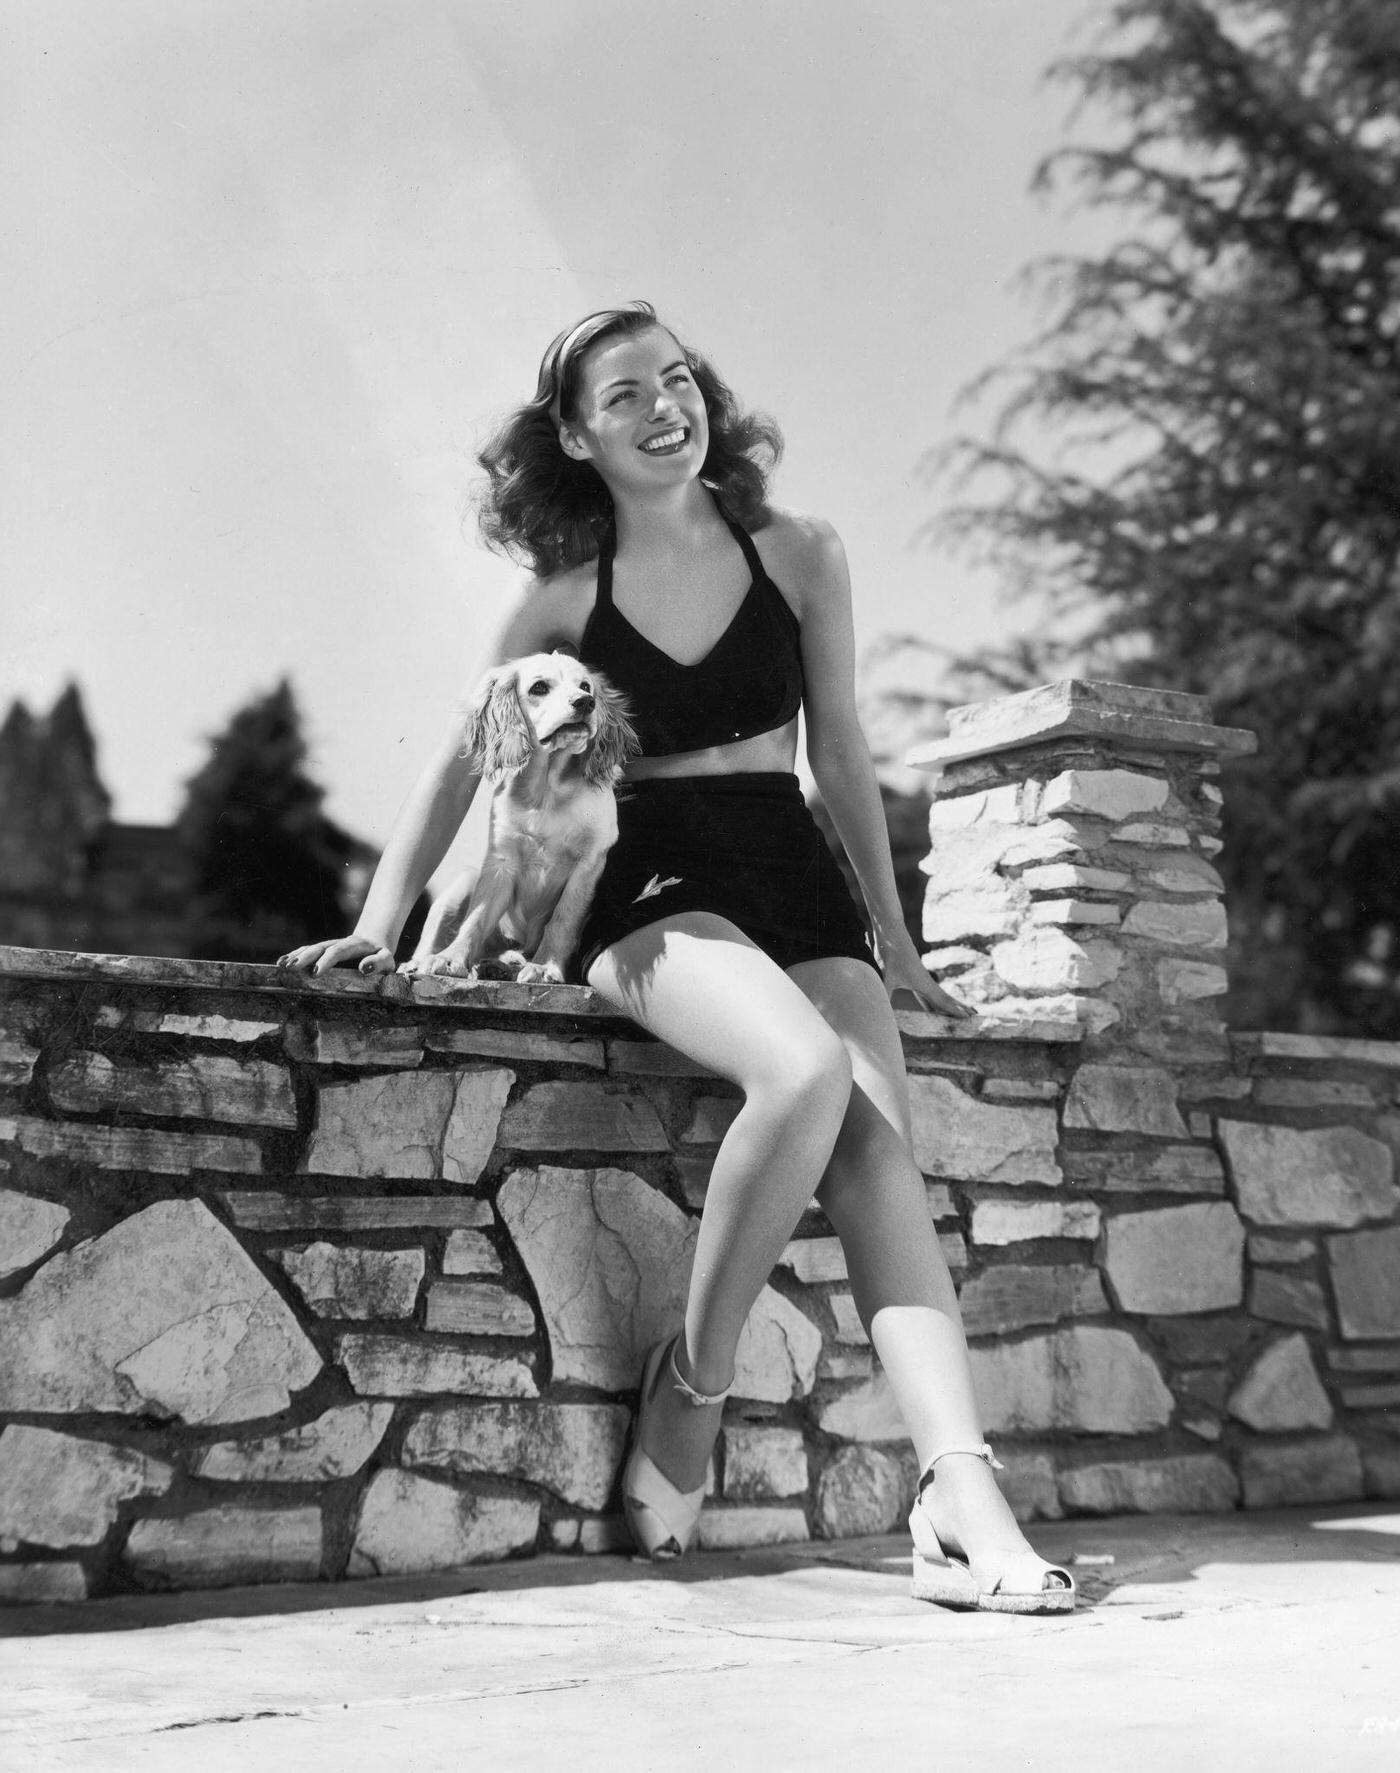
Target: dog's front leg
{"type": "Point", "coordinates": [556, 946]}
{"type": "Point", "coordinates": [442, 923]}
{"type": "Point", "coordinates": [489, 901]}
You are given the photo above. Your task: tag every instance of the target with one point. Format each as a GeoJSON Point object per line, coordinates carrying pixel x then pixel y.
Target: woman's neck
{"type": "Point", "coordinates": [680, 520]}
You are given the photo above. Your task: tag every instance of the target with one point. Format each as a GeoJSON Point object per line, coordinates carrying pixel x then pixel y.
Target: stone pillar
{"type": "Point", "coordinates": [1071, 866]}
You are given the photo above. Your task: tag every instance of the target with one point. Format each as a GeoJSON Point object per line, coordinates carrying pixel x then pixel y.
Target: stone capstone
{"type": "Point", "coordinates": [206, 1086]}
{"type": "Point", "coordinates": [1124, 1099]}
{"type": "Point", "coordinates": [573, 1450]}
{"type": "Point", "coordinates": [1324, 1176]}
{"type": "Point", "coordinates": [581, 1117]}
{"type": "Point", "coordinates": [1188, 1483]}
{"type": "Point", "coordinates": [1176, 1259]}
{"type": "Point", "coordinates": [422, 1123]}
{"type": "Point", "coordinates": [57, 1489]}
{"type": "Point", "coordinates": [409, 1525]}
{"type": "Point", "coordinates": [1365, 1267]}
{"type": "Point", "coordinates": [762, 1464]}
{"type": "Point", "coordinates": [1326, 1468]}
{"type": "Point", "coordinates": [1013, 1295]}
{"type": "Point", "coordinates": [408, 1366]}
{"type": "Point", "coordinates": [29, 1229]}
{"type": "Point", "coordinates": [861, 1492]}
{"type": "Point", "coordinates": [163, 1315]}
{"type": "Point", "coordinates": [1282, 1389]}
{"type": "Point", "coordinates": [1085, 1377]}
{"type": "Point", "coordinates": [225, 1547]}
{"type": "Point", "coordinates": [335, 1445]}
{"type": "Point", "coordinates": [348, 1280]}
{"type": "Point", "coordinates": [957, 1136]}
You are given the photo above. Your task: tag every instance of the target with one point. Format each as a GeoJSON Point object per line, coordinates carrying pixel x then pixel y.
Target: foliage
{"type": "Point", "coordinates": [270, 869]}
{"type": "Point", "coordinates": [1221, 512]}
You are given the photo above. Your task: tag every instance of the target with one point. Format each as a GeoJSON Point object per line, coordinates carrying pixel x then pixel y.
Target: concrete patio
{"type": "Point", "coordinates": [1249, 1640]}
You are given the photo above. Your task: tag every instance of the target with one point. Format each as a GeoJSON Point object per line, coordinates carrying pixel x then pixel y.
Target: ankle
{"type": "Point", "coordinates": [698, 1379]}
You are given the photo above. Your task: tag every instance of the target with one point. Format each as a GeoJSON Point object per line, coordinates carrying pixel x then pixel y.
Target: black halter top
{"type": "Point", "coordinates": [749, 682]}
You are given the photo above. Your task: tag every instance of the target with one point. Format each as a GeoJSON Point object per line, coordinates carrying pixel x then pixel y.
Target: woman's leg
{"type": "Point", "coordinates": [695, 982]}
{"type": "Point", "coordinates": [873, 1194]}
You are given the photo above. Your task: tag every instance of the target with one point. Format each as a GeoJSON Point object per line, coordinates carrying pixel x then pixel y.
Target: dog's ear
{"type": "Point", "coordinates": [614, 742]}
{"type": "Point", "coordinates": [497, 733]}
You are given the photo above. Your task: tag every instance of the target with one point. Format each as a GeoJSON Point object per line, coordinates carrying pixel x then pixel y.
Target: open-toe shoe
{"type": "Point", "coordinates": [661, 1518]}
{"type": "Point", "coordinates": [946, 1578]}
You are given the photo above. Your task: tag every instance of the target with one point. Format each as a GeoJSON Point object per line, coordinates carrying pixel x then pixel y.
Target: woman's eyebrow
{"type": "Point", "coordinates": [631, 381]}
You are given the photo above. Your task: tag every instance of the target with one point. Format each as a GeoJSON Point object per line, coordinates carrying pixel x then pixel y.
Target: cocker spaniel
{"type": "Point", "coordinates": [552, 737]}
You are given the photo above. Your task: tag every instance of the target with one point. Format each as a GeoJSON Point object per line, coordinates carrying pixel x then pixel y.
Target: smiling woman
{"type": "Point", "coordinates": [549, 514]}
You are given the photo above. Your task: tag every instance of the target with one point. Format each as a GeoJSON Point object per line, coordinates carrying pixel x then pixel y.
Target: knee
{"type": "Point", "coordinates": [813, 1079]}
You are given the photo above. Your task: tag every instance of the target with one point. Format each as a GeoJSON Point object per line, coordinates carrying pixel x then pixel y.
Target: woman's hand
{"type": "Point", "coordinates": [906, 974]}
{"type": "Point", "coordinates": [344, 951]}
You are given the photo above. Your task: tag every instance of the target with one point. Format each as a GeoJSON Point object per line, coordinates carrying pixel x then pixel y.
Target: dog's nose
{"type": "Point", "coordinates": [583, 704]}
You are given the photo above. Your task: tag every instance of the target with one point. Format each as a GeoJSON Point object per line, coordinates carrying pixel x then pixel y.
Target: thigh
{"type": "Point", "coordinates": [698, 983]}
{"type": "Point", "coordinates": [850, 996]}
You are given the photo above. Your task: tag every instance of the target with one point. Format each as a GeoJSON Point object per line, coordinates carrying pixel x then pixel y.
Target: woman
{"type": "Point", "coordinates": [637, 491]}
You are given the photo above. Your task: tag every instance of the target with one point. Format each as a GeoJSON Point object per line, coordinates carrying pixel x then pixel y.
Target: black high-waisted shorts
{"type": "Point", "coordinates": [744, 847]}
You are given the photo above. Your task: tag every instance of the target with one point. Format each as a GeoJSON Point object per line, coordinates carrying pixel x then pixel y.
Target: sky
{"type": "Point", "coordinates": [272, 269]}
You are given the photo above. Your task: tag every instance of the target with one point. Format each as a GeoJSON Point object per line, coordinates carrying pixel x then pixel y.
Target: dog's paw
{"type": "Point", "coordinates": [535, 972]}
{"type": "Point", "coordinates": [451, 966]}
{"type": "Point", "coordinates": [416, 968]}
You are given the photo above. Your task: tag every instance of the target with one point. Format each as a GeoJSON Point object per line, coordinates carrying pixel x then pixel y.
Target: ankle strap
{"type": "Point", "coordinates": [984, 1453]}
{"type": "Point", "coordinates": [696, 1397]}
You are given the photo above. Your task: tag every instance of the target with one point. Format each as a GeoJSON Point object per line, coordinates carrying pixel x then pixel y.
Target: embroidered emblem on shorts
{"type": "Point", "coordinates": [656, 886]}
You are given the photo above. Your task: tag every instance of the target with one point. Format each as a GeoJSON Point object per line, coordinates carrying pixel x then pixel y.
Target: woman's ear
{"type": "Point", "coordinates": [497, 733]}
{"type": "Point", "coordinates": [573, 445]}
{"type": "Point", "coordinates": [615, 740]}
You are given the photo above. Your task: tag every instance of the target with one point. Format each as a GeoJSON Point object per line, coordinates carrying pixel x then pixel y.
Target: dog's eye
{"type": "Point", "coordinates": [539, 687]}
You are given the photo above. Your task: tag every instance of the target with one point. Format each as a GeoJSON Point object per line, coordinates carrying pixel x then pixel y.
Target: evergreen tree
{"type": "Point", "coordinates": [1222, 510]}
{"type": "Point", "coordinates": [270, 869]}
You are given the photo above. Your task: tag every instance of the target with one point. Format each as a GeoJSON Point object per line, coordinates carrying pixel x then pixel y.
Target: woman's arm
{"type": "Point", "coordinates": [426, 823]}
{"type": "Point", "coordinates": [840, 758]}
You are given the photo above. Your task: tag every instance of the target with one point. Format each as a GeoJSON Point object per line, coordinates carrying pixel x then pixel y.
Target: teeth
{"type": "Point", "coordinates": [665, 441]}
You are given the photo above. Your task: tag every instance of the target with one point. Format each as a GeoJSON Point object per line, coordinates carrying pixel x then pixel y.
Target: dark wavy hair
{"type": "Point", "coordinates": [550, 512]}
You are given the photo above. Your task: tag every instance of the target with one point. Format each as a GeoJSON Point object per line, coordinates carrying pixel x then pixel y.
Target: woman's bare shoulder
{"type": "Point", "coordinates": [802, 553]}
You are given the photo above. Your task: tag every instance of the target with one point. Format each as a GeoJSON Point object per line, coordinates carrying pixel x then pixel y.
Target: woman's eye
{"type": "Point", "coordinates": [626, 394]}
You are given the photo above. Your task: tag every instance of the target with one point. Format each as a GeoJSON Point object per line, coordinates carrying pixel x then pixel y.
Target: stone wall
{"type": "Point", "coordinates": [309, 1279]}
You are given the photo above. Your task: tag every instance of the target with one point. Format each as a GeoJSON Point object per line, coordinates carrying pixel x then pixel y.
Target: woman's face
{"type": "Point", "coordinates": [640, 418]}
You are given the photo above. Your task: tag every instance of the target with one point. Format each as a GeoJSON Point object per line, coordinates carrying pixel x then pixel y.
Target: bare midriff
{"type": "Point", "coordinates": [762, 754]}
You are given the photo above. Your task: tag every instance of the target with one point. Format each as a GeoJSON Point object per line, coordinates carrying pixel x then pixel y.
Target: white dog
{"type": "Point", "coordinates": [552, 736]}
